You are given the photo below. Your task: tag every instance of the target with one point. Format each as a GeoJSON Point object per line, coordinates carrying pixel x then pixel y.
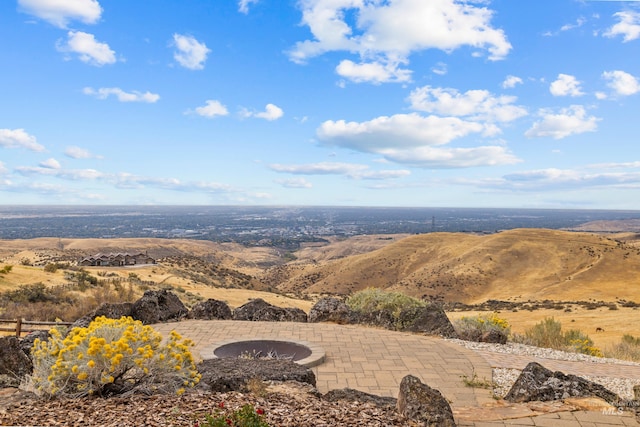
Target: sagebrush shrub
{"type": "Point", "coordinates": [373, 299]}
{"type": "Point", "coordinates": [627, 349]}
{"type": "Point", "coordinates": [473, 327]}
{"type": "Point", "coordinates": [549, 334]}
{"type": "Point", "coordinates": [111, 357]}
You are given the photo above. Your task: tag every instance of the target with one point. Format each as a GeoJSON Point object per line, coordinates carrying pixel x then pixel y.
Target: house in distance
{"type": "Point", "coordinates": [116, 260]}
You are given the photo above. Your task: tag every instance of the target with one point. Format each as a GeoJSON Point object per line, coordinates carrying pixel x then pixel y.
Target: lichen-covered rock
{"type": "Point", "coordinates": [258, 310]}
{"type": "Point", "coordinates": [232, 374]}
{"type": "Point", "coordinates": [331, 309]}
{"type": "Point", "coordinates": [158, 306]}
{"type": "Point", "coordinates": [431, 320]}
{"type": "Point", "coordinates": [421, 403]}
{"type": "Point", "coordinates": [211, 309]}
{"type": "Point", "coordinates": [380, 318]}
{"type": "Point", "coordinates": [537, 383]}
{"type": "Point", "coordinates": [107, 309]}
{"type": "Point", "coordinates": [14, 363]}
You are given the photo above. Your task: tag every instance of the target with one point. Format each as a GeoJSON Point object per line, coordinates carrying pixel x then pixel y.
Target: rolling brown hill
{"type": "Point", "coordinates": [516, 265]}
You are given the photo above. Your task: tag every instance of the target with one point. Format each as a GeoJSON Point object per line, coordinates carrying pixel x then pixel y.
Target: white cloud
{"type": "Point", "coordinates": [294, 183]}
{"type": "Point", "coordinates": [68, 174]}
{"type": "Point", "coordinates": [372, 72]}
{"type": "Point", "coordinates": [60, 12]}
{"type": "Point", "coordinates": [190, 53]}
{"type": "Point", "coordinates": [565, 85]}
{"type": "Point", "coordinates": [351, 170]}
{"type": "Point", "coordinates": [3, 169]}
{"type": "Point", "coordinates": [271, 112]}
{"type": "Point", "coordinates": [475, 104]}
{"type": "Point", "coordinates": [134, 96]}
{"type": "Point", "coordinates": [50, 163]}
{"type": "Point", "coordinates": [569, 121]}
{"type": "Point", "coordinates": [87, 48]}
{"type": "Point", "coordinates": [18, 138]}
{"type": "Point", "coordinates": [628, 26]}
{"type": "Point", "coordinates": [579, 23]}
{"type": "Point", "coordinates": [386, 33]}
{"type": "Point", "coordinates": [79, 153]}
{"type": "Point", "coordinates": [211, 109]}
{"type": "Point", "coordinates": [243, 5]}
{"type": "Point", "coordinates": [409, 139]}
{"type": "Point", "coordinates": [564, 179]}
{"type": "Point", "coordinates": [622, 83]}
{"type": "Point", "coordinates": [511, 81]}
{"type": "Point", "coordinates": [440, 69]}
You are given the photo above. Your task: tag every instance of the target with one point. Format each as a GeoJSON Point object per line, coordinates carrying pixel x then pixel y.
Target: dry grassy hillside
{"type": "Point", "coordinates": [518, 264]}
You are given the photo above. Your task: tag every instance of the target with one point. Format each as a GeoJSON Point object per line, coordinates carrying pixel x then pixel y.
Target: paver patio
{"type": "Point", "coordinates": [375, 361]}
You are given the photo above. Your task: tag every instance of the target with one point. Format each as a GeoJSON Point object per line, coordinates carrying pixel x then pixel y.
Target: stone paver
{"type": "Point", "coordinates": [376, 360]}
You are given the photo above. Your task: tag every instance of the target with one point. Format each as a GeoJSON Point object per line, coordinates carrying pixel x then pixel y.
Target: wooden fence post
{"type": "Point", "coordinates": [18, 327]}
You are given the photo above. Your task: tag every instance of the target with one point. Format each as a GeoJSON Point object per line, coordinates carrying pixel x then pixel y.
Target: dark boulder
{"type": "Point", "coordinates": [158, 306]}
{"type": "Point", "coordinates": [108, 310]}
{"type": "Point", "coordinates": [210, 309]}
{"type": "Point", "coordinates": [14, 363]}
{"type": "Point", "coordinates": [494, 336]}
{"type": "Point", "coordinates": [258, 310]}
{"type": "Point", "coordinates": [537, 383]}
{"type": "Point", "coordinates": [381, 318]}
{"type": "Point", "coordinates": [351, 395]}
{"type": "Point", "coordinates": [232, 374]}
{"type": "Point", "coordinates": [26, 343]}
{"type": "Point", "coordinates": [431, 320]}
{"type": "Point", "coordinates": [421, 403]}
{"type": "Point", "coordinates": [331, 309]}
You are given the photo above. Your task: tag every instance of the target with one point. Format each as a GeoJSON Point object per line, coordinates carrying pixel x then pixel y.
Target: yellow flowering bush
{"type": "Point", "coordinates": [112, 357]}
{"type": "Point", "coordinates": [473, 327]}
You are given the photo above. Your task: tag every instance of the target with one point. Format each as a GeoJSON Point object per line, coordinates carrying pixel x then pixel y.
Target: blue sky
{"type": "Point", "coordinates": [477, 103]}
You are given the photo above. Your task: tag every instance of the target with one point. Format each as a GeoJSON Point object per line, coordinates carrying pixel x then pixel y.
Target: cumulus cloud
{"type": "Point", "coordinates": [475, 104]}
{"type": "Point", "coordinates": [511, 81]}
{"type": "Point", "coordinates": [79, 153]}
{"type": "Point", "coordinates": [18, 138]}
{"type": "Point", "coordinates": [270, 113]}
{"type": "Point", "coordinates": [88, 49]}
{"type": "Point", "coordinates": [122, 96]}
{"type": "Point", "coordinates": [384, 34]}
{"type": "Point", "coordinates": [294, 183]}
{"type": "Point", "coordinates": [190, 53]}
{"type": "Point", "coordinates": [569, 121]}
{"type": "Point", "coordinates": [565, 85]}
{"type": "Point", "coordinates": [628, 26]}
{"type": "Point", "coordinates": [61, 12]}
{"type": "Point", "coordinates": [410, 139]}
{"type": "Point", "coordinates": [68, 174]}
{"type": "Point", "coordinates": [50, 163]}
{"type": "Point", "coordinates": [243, 5]}
{"type": "Point", "coordinates": [622, 83]}
{"type": "Point", "coordinates": [211, 109]}
{"type": "Point", "coordinates": [372, 72]}
{"type": "Point", "coordinates": [350, 170]}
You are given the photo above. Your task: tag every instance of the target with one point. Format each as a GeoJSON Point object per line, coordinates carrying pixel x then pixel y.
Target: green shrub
{"type": "Point", "coordinates": [111, 357]}
{"type": "Point", "coordinates": [627, 349]}
{"type": "Point", "coordinates": [548, 334]}
{"type": "Point", "coordinates": [6, 269]}
{"type": "Point", "coordinates": [247, 416]}
{"type": "Point", "coordinates": [473, 327]}
{"type": "Point", "coordinates": [373, 299]}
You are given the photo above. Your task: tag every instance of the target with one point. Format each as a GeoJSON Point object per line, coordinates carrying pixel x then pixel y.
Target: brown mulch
{"type": "Point", "coordinates": [283, 405]}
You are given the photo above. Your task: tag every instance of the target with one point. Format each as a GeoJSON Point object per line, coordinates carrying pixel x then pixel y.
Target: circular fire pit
{"type": "Point", "coordinates": [303, 353]}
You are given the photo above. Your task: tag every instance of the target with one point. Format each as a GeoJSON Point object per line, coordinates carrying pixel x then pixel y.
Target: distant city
{"type": "Point", "coordinates": [285, 227]}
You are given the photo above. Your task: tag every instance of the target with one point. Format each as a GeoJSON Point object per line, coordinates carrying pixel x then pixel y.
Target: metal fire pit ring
{"type": "Point", "coordinates": [301, 352]}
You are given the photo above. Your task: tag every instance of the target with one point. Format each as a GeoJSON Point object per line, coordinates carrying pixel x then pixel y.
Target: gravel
{"type": "Point", "coordinates": [504, 378]}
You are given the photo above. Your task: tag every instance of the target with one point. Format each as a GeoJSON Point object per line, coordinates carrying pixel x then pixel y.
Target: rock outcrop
{"type": "Point", "coordinates": [351, 395]}
{"type": "Point", "coordinates": [158, 306]}
{"type": "Point", "coordinates": [421, 403]}
{"type": "Point", "coordinates": [211, 309]}
{"type": "Point", "coordinates": [431, 320]}
{"type": "Point", "coordinates": [14, 363]}
{"type": "Point", "coordinates": [537, 383]}
{"type": "Point", "coordinates": [232, 374]}
{"type": "Point", "coordinates": [109, 310]}
{"type": "Point", "coordinates": [331, 309]}
{"type": "Point", "coordinates": [258, 310]}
